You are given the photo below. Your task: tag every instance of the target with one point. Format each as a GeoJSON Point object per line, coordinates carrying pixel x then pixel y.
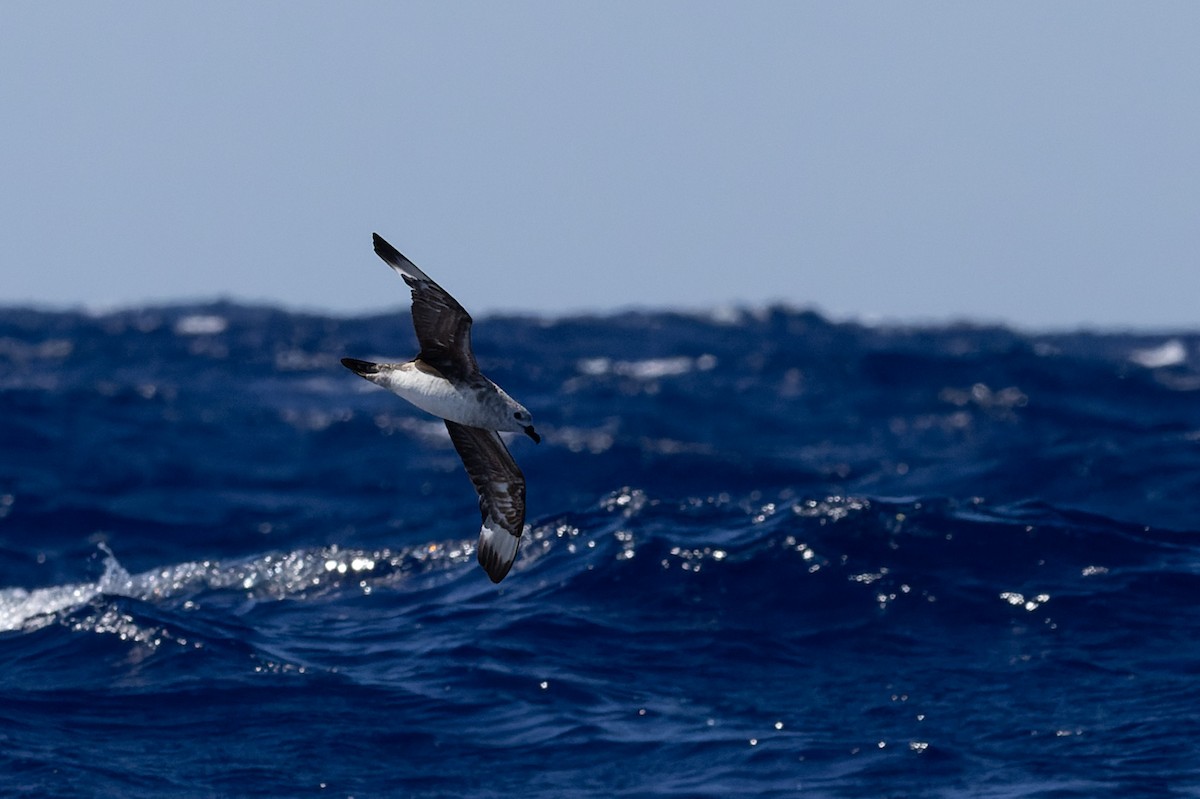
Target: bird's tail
{"type": "Point", "coordinates": [497, 550]}
{"type": "Point", "coordinates": [361, 368]}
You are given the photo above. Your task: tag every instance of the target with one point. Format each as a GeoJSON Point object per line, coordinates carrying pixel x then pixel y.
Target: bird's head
{"type": "Point", "coordinates": [525, 421]}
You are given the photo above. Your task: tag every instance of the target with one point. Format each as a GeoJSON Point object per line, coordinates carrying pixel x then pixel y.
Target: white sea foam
{"type": "Point", "coordinates": [201, 325]}
{"type": "Point", "coordinates": [19, 607]}
{"type": "Point", "coordinates": [270, 576]}
{"type": "Point", "coordinates": [649, 368]}
{"type": "Point", "coordinates": [1169, 353]}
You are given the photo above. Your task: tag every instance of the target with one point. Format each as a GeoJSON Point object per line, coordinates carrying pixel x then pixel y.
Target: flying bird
{"type": "Point", "coordinates": [445, 380]}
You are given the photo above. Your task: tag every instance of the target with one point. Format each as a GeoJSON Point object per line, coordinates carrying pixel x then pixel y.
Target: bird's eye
{"type": "Point", "coordinates": [517, 416]}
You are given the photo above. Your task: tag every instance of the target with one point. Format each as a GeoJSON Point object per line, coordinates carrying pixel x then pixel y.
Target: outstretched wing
{"type": "Point", "coordinates": [443, 326]}
{"type": "Point", "coordinates": [501, 489]}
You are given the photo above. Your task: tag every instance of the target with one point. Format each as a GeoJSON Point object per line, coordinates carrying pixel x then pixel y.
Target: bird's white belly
{"type": "Point", "coordinates": [435, 394]}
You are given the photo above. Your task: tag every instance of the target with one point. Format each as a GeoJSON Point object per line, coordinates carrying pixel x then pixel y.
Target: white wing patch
{"type": "Point", "coordinates": [497, 550]}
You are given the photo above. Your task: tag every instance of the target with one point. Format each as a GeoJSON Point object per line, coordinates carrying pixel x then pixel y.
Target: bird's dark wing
{"type": "Point", "coordinates": [501, 489]}
{"type": "Point", "coordinates": [443, 326]}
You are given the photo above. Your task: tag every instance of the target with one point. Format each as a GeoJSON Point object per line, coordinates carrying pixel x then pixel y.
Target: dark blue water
{"type": "Point", "coordinates": [770, 555]}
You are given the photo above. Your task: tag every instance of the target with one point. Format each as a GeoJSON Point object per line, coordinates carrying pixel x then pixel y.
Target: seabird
{"type": "Point", "coordinates": [445, 380]}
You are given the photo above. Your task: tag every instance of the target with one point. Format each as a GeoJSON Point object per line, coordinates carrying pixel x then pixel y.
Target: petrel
{"type": "Point", "coordinates": [445, 380]}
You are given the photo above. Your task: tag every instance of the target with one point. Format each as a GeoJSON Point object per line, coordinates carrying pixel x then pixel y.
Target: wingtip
{"type": "Point", "coordinates": [496, 551]}
{"type": "Point", "coordinates": [386, 251]}
{"type": "Point", "coordinates": [380, 243]}
{"type": "Point", "coordinates": [397, 261]}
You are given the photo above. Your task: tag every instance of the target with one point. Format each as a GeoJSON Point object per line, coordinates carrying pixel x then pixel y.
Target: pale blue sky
{"type": "Point", "coordinates": [1036, 163]}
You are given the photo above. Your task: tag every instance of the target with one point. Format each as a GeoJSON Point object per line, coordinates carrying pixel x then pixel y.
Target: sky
{"type": "Point", "coordinates": [1031, 163]}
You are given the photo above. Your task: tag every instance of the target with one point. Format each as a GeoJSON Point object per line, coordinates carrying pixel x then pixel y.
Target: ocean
{"type": "Point", "coordinates": [769, 555]}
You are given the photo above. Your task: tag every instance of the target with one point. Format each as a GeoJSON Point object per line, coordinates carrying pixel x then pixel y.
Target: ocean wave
{"type": "Point", "coordinates": [768, 554]}
{"type": "Point", "coordinates": [836, 560]}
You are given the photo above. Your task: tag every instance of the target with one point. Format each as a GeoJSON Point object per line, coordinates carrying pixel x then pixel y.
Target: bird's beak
{"type": "Point", "coordinates": [529, 431]}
